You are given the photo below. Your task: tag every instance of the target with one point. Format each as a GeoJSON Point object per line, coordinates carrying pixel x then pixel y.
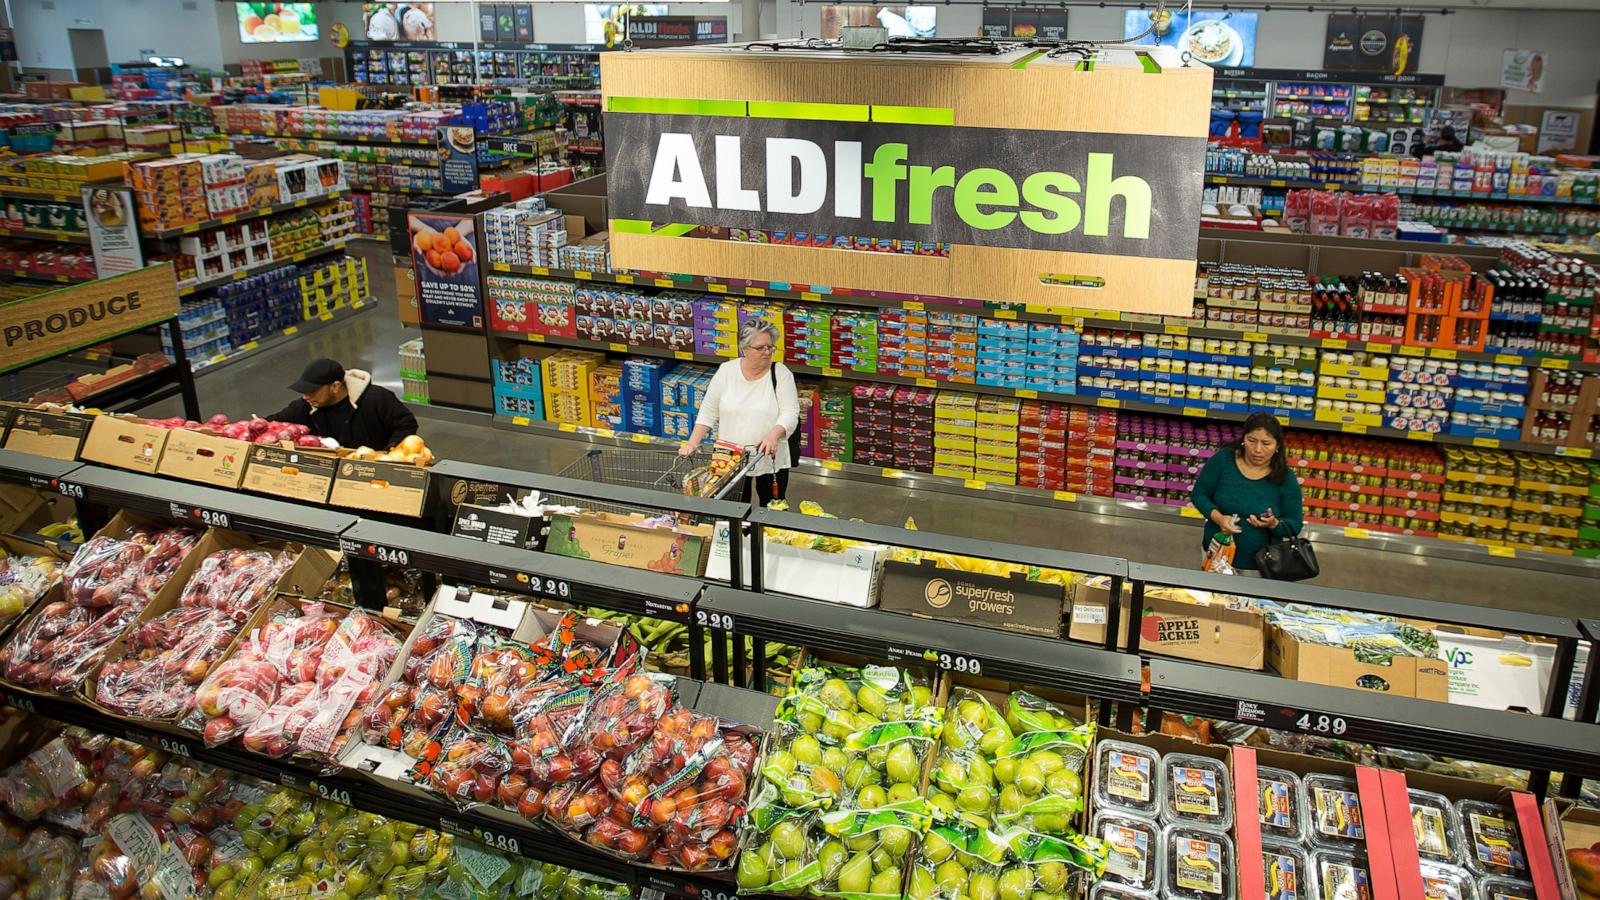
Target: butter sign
{"type": "Point", "coordinates": [903, 175]}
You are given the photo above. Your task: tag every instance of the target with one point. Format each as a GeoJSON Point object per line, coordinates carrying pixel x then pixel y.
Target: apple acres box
{"type": "Point", "coordinates": [205, 456]}
{"type": "Point", "coordinates": [1013, 603]}
{"type": "Point", "coordinates": [1177, 622]}
{"type": "Point", "coordinates": [901, 172]}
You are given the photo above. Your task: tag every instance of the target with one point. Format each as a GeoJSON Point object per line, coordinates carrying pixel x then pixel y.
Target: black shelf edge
{"type": "Point", "coordinates": [45, 234]}
{"type": "Point", "coordinates": [530, 572]}
{"type": "Point", "coordinates": [1516, 740]}
{"type": "Point", "coordinates": [501, 830]}
{"type": "Point", "coordinates": [446, 471]}
{"type": "Point", "coordinates": [1340, 598]}
{"type": "Point", "coordinates": [893, 536]}
{"type": "Point", "coordinates": [950, 646]}
{"type": "Point", "coordinates": [233, 218]}
{"type": "Point", "coordinates": [35, 471]}
{"type": "Point", "coordinates": [207, 506]}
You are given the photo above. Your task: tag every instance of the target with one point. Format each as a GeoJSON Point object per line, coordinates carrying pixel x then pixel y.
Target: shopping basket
{"type": "Point", "coordinates": [658, 469]}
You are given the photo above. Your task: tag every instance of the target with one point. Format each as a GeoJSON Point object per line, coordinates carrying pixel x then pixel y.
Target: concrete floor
{"type": "Point", "coordinates": [370, 340]}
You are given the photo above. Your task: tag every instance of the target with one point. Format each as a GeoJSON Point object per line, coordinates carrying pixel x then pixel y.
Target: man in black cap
{"type": "Point", "coordinates": [348, 407]}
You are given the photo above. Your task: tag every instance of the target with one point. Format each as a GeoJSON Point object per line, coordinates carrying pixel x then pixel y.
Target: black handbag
{"type": "Point", "coordinates": [1290, 559]}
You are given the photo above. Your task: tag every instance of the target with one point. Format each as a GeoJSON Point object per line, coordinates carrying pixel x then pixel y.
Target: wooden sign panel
{"type": "Point", "coordinates": [45, 325]}
{"type": "Point", "coordinates": [1057, 181]}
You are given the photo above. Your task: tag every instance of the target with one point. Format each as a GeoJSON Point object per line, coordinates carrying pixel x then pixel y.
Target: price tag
{"type": "Point", "coordinates": [173, 746]}
{"type": "Point", "coordinates": [1575, 452]}
{"type": "Point", "coordinates": [1189, 512]}
{"type": "Point", "coordinates": [720, 621]}
{"type": "Point", "coordinates": [811, 296]}
{"type": "Point", "coordinates": [624, 279]}
{"type": "Point", "coordinates": [521, 420]}
{"type": "Point", "coordinates": [604, 433]}
{"type": "Point", "coordinates": [890, 473]}
{"type": "Point", "coordinates": [1485, 442]}
{"type": "Point", "coordinates": [974, 484]}
{"type": "Point", "coordinates": [926, 382]}
{"type": "Point", "coordinates": [390, 556]}
{"type": "Point", "coordinates": [583, 276]}
{"type": "Point", "coordinates": [553, 587]}
{"type": "Point", "coordinates": [1409, 350]}
{"type": "Point", "coordinates": [717, 288]}
{"type": "Point", "coordinates": [536, 338]}
{"type": "Point", "coordinates": [336, 794]}
{"type": "Point", "coordinates": [539, 270]}
{"type": "Point", "coordinates": [500, 267]}
{"type": "Point", "coordinates": [1357, 533]}
{"type": "Point", "coordinates": [1257, 336]}
{"type": "Point", "coordinates": [830, 372]}
{"type": "Point", "coordinates": [950, 662]}
{"type": "Point", "coordinates": [1196, 412]}
{"type": "Point", "coordinates": [567, 427]}
{"type": "Point", "coordinates": [615, 347]}
{"type": "Point", "coordinates": [230, 218]}
{"type": "Point", "coordinates": [1065, 496]}
{"type": "Point", "coordinates": [832, 465]}
{"type": "Point", "coordinates": [326, 317]}
{"type": "Point", "coordinates": [291, 331]}
{"type": "Point", "coordinates": [210, 517]}
{"type": "Point", "coordinates": [1108, 402]}
{"type": "Point", "coordinates": [1419, 435]}
{"type": "Point", "coordinates": [913, 306]}
{"type": "Point", "coordinates": [682, 354]}
{"type": "Point", "coordinates": [1321, 724]}
{"type": "Point", "coordinates": [640, 438]}
{"type": "Point", "coordinates": [1555, 364]}
{"type": "Point", "coordinates": [1005, 314]}
{"type": "Point", "coordinates": [1177, 329]}
{"type": "Point", "coordinates": [22, 702]}
{"type": "Point", "coordinates": [754, 291]}
{"type": "Point", "coordinates": [248, 345]}
{"type": "Point", "coordinates": [1442, 353]}
{"type": "Point", "coordinates": [1353, 429]}
{"type": "Point", "coordinates": [1507, 552]}
{"type": "Point", "coordinates": [1507, 359]}
{"type": "Point", "coordinates": [68, 489]}
{"type": "Point", "coordinates": [1334, 343]}
{"type": "Point", "coordinates": [663, 282]}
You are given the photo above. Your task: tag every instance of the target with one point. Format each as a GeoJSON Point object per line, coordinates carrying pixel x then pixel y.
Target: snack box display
{"type": "Point", "coordinates": [1127, 777]}
{"type": "Point", "coordinates": [1198, 864]}
{"type": "Point", "coordinates": [1334, 805]}
{"type": "Point", "coordinates": [1196, 790]}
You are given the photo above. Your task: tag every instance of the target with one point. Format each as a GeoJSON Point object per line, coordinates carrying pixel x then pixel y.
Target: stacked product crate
{"type": "Point", "coordinates": [641, 388]}
{"type": "Point", "coordinates": [683, 392]}
{"type": "Point", "coordinates": [605, 396]}
{"type": "Point", "coordinates": [414, 372]}
{"type": "Point", "coordinates": [995, 461]}
{"type": "Point", "coordinates": [1042, 445]}
{"type": "Point", "coordinates": [1091, 451]}
{"type": "Point", "coordinates": [565, 377]}
{"type": "Point", "coordinates": [955, 434]}
{"type": "Point", "coordinates": [834, 423]}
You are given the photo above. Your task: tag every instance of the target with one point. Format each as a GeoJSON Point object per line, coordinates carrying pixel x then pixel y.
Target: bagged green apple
{"type": "Point", "coordinates": [553, 882]}
{"type": "Point", "coordinates": [957, 861]}
{"type": "Point", "coordinates": [835, 701]}
{"type": "Point", "coordinates": [782, 851]}
{"type": "Point", "coordinates": [1040, 771]}
{"type": "Point", "coordinates": [962, 789]}
{"type": "Point", "coordinates": [876, 844]}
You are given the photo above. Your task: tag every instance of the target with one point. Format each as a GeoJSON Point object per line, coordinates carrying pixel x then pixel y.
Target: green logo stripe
{"type": "Point", "coordinates": [819, 112]}
{"type": "Point", "coordinates": [675, 106]}
{"type": "Point", "coordinates": [1151, 67]}
{"type": "Point", "coordinates": [644, 226]}
{"type": "Point", "coordinates": [914, 115]}
{"type": "Point", "coordinates": [1023, 62]}
{"type": "Point", "coordinates": [1085, 65]}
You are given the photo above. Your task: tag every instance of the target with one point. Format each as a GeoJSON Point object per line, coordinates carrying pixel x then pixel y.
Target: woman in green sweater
{"type": "Point", "coordinates": [1248, 491]}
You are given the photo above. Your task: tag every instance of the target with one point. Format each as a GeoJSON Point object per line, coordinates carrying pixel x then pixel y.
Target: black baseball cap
{"type": "Point", "coordinates": [320, 373]}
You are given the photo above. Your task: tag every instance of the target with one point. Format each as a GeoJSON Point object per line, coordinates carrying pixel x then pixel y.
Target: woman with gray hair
{"type": "Point", "coordinates": [752, 401]}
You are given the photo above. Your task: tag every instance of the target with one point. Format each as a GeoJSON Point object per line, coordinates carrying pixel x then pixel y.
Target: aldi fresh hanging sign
{"type": "Point", "coordinates": [954, 195]}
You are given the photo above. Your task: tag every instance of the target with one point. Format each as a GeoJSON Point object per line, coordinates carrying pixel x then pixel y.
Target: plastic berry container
{"type": "Point", "coordinates": [1341, 876]}
{"type": "Point", "coordinates": [1286, 871]}
{"type": "Point", "coordinates": [1437, 829]}
{"type": "Point", "coordinates": [1507, 889]}
{"type": "Point", "coordinates": [1127, 776]}
{"type": "Point", "coordinates": [1282, 801]}
{"type": "Point", "coordinates": [1334, 808]}
{"type": "Point", "coordinates": [1195, 790]}
{"type": "Point", "coordinates": [1108, 891]}
{"type": "Point", "coordinates": [1133, 849]}
{"type": "Point", "coordinates": [1493, 840]}
{"type": "Point", "coordinates": [1197, 864]}
{"type": "Point", "coordinates": [1448, 883]}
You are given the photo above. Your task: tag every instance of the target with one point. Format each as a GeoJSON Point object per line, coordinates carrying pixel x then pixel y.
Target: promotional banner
{"type": "Point", "coordinates": [1024, 22]}
{"type": "Point", "coordinates": [1523, 70]}
{"type": "Point", "coordinates": [113, 231]}
{"type": "Point", "coordinates": [1389, 44]}
{"type": "Point", "coordinates": [52, 323]}
{"type": "Point", "coordinates": [458, 159]}
{"type": "Point", "coordinates": [444, 255]}
{"type": "Point", "coordinates": [1214, 38]}
{"type": "Point", "coordinates": [1089, 196]}
{"type": "Point", "coordinates": [524, 17]}
{"type": "Point", "coordinates": [488, 25]}
{"type": "Point", "coordinates": [678, 31]}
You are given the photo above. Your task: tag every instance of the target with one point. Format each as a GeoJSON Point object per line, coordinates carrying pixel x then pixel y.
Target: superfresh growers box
{"type": "Point", "coordinates": [1012, 603]}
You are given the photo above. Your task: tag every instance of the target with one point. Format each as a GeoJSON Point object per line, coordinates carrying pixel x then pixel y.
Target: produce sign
{"type": "Point", "coordinates": [906, 176]}
{"type": "Point", "coordinates": [50, 324]}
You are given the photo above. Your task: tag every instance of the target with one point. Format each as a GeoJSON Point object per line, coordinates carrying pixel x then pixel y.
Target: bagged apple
{"type": "Point", "coordinates": [47, 778]}
{"type": "Point", "coordinates": [275, 665]}
{"type": "Point", "coordinates": [23, 580]}
{"type": "Point", "coordinates": [163, 661]}
{"type": "Point", "coordinates": [548, 719]}
{"type": "Point", "coordinates": [622, 716]}
{"type": "Point", "coordinates": [463, 764]}
{"type": "Point", "coordinates": [38, 863]}
{"type": "Point", "coordinates": [440, 657]}
{"type": "Point", "coordinates": [106, 585]}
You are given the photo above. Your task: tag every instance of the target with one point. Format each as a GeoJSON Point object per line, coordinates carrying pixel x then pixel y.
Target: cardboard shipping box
{"type": "Point", "coordinates": [125, 442]}
{"type": "Point", "coordinates": [206, 457]}
{"type": "Point", "coordinates": [1405, 676]}
{"type": "Point", "coordinates": [292, 473]}
{"type": "Point", "coordinates": [399, 488]}
{"type": "Point", "coordinates": [625, 541]}
{"type": "Point", "coordinates": [58, 435]}
{"type": "Point", "coordinates": [1180, 623]}
{"type": "Point", "coordinates": [1494, 670]}
{"type": "Point", "coordinates": [1012, 604]}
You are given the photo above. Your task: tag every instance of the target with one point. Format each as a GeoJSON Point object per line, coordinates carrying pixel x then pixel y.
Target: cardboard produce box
{"type": "Point", "coordinates": [625, 541]}
{"type": "Point", "coordinates": [399, 488]}
{"type": "Point", "coordinates": [1494, 670]}
{"type": "Point", "coordinates": [125, 442]}
{"type": "Point", "coordinates": [1405, 676]}
{"type": "Point", "coordinates": [294, 473]}
{"type": "Point", "coordinates": [1177, 622]}
{"type": "Point", "coordinates": [42, 432]}
{"type": "Point", "coordinates": [1013, 603]}
{"type": "Point", "coordinates": [204, 456]}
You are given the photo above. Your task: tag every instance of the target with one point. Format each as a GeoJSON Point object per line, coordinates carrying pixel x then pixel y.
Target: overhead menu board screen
{"type": "Point", "coordinates": [1216, 38]}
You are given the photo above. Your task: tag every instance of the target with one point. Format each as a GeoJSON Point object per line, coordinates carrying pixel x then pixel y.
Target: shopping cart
{"type": "Point", "coordinates": [658, 468]}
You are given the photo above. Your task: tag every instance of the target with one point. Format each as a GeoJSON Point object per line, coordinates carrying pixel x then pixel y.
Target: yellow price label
{"type": "Point", "coordinates": [607, 433]}
{"type": "Point", "coordinates": [229, 219]}
{"type": "Point", "coordinates": [1005, 314]}
{"type": "Point", "coordinates": [1507, 552]}
{"type": "Point", "coordinates": [190, 229]}
{"type": "Point", "coordinates": [326, 316]}
{"type": "Point", "coordinates": [663, 282]}
{"type": "Point", "coordinates": [539, 270]}
{"type": "Point", "coordinates": [1177, 329]}
{"type": "Point", "coordinates": [1443, 353]}
{"type": "Point", "coordinates": [754, 291]}
{"type": "Point", "coordinates": [1258, 336]}
{"type": "Point", "coordinates": [237, 276]}
{"type": "Point", "coordinates": [1485, 442]}
{"type": "Point", "coordinates": [536, 338]}
{"type": "Point", "coordinates": [219, 357]}
{"type": "Point", "coordinates": [500, 267]}
{"type": "Point", "coordinates": [300, 203]}
{"type": "Point", "coordinates": [682, 354]}
{"type": "Point", "coordinates": [567, 427]}
{"type": "Point", "coordinates": [717, 288]}
{"type": "Point", "coordinates": [1555, 363]}
{"type": "Point", "coordinates": [1410, 350]}
{"type": "Point", "coordinates": [1351, 428]}
{"type": "Point", "coordinates": [1334, 343]}
{"type": "Point", "coordinates": [914, 305]}
{"type": "Point", "coordinates": [927, 382]}
{"type": "Point", "coordinates": [358, 304]}
{"type": "Point", "coordinates": [890, 473]}
{"type": "Point", "coordinates": [1575, 452]}
{"type": "Point", "coordinates": [1195, 411]}
{"type": "Point", "coordinates": [1107, 402]}
{"type": "Point", "coordinates": [1027, 393]}
{"type": "Point", "coordinates": [1277, 182]}
{"type": "Point", "coordinates": [1357, 533]}
{"type": "Point", "coordinates": [615, 347]}
{"type": "Point", "coordinates": [522, 421]}
{"type": "Point", "coordinates": [832, 465]}
{"type": "Point", "coordinates": [249, 345]}
{"type": "Point", "coordinates": [974, 484]}
{"type": "Point", "coordinates": [624, 279]}
{"type": "Point", "coordinates": [291, 330]}
{"type": "Point", "coordinates": [1189, 512]}
{"type": "Point", "coordinates": [1419, 435]}
{"type": "Point", "coordinates": [640, 438]}
{"type": "Point", "coordinates": [812, 296]}
{"type": "Point", "coordinates": [1508, 359]}
{"type": "Point", "coordinates": [830, 372]}
{"type": "Point", "coordinates": [583, 276]}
